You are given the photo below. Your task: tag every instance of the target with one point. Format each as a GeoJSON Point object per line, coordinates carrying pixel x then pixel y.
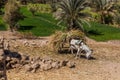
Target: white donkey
{"type": "Point", "coordinates": [80, 47]}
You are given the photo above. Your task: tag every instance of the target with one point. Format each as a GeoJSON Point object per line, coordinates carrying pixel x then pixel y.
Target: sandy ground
{"type": "Point", "coordinates": [104, 66]}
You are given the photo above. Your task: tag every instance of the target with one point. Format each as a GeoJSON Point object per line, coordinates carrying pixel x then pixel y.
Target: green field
{"type": "Point", "coordinates": [102, 32]}
{"type": "Point", "coordinates": [43, 24]}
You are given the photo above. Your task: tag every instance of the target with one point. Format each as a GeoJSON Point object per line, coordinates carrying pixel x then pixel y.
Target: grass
{"type": "Point", "coordinates": [43, 24]}
{"type": "Point", "coordinates": [102, 32]}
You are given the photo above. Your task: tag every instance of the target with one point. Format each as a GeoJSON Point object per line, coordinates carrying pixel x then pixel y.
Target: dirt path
{"type": "Point", "coordinates": [105, 66]}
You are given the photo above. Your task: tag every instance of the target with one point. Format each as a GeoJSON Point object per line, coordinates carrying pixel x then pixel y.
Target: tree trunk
{"type": "Point", "coordinates": [11, 28]}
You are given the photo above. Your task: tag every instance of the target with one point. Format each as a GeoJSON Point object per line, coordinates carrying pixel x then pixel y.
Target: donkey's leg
{"type": "Point", "coordinates": [78, 53]}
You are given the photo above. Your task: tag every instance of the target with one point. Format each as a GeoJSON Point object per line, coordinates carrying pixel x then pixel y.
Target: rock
{"type": "Point", "coordinates": [46, 59]}
{"type": "Point", "coordinates": [35, 59]}
{"type": "Point", "coordinates": [28, 68]}
{"type": "Point", "coordinates": [8, 66]}
{"type": "Point", "coordinates": [35, 65]}
{"type": "Point", "coordinates": [33, 71]}
{"type": "Point", "coordinates": [15, 55]}
{"type": "Point", "coordinates": [45, 67]}
{"type": "Point", "coordinates": [56, 64]}
{"type": "Point", "coordinates": [16, 66]}
{"type": "Point", "coordinates": [1, 55]}
{"type": "Point", "coordinates": [1, 74]}
{"type": "Point", "coordinates": [14, 61]}
{"type": "Point", "coordinates": [24, 60]}
{"type": "Point", "coordinates": [61, 63]}
{"type": "Point", "coordinates": [8, 59]}
{"type": "Point", "coordinates": [64, 62]}
{"type": "Point", "coordinates": [1, 58]}
{"type": "Point", "coordinates": [24, 57]}
{"type": "Point", "coordinates": [71, 64]}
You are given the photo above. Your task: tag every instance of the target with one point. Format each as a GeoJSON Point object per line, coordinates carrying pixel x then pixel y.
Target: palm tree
{"type": "Point", "coordinates": [106, 10]}
{"type": "Point", "coordinates": [70, 13]}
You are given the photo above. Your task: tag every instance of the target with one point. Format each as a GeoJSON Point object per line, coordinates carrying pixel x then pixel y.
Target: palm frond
{"type": "Point", "coordinates": [71, 11]}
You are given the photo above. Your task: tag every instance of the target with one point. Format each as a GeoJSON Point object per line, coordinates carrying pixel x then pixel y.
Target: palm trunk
{"type": "Point", "coordinates": [69, 25]}
{"type": "Point", "coordinates": [102, 18]}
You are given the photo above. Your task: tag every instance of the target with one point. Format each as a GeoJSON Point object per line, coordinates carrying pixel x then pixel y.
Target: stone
{"type": "Point", "coordinates": [1, 74]}
{"type": "Point", "coordinates": [35, 59]}
{"type": "Point", "coordinates": [64, 62]}
{"type": "Point", "coordinates": [1, 55]}
{"type": "Point", "coordinates": [71, 64]}
{"type": "Point", "coordinates": [45, 67]}
{"type": "Point", "coordinates": [33, 71]}
{"type": "Point", "coordinates": [8, 59]}
{"type": "Point", "coordinates": [24, 60]}
{"type": "Point", "coordinates": [8, 66]}
{"type": "Point", "coordinates": [35, 65]}
{"type": "Point", "coordinates": [16, 66]}
{"type": "Point", "coordinates": [56, 64]}
{"type": "Point", "coordinates": [1, 58]}
{"type": "Point", "coordinates": [24, 57]}
{"type": "Point", "coordinates": [28, 68]}
{"type": "Point", "coordinates": [14, 61]}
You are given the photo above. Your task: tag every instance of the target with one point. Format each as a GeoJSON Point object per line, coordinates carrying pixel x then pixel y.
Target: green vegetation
{"type": "Point", "coordinates": [39, 25]}
{"type": "Point", "coordinates": [12, 14]}
{"type": "Point", "coordinates": [106, 9]}
{"type": "Point", "coordinates": [43, 24]}
{"type": "Point", "coordinates": [40, 8]}
{"type": "Point", "coordinates": [2, 25]}
{"type": "Point", "coordinates": [102, 32]}
{"type": "Point", "coordinates": [70, 12]}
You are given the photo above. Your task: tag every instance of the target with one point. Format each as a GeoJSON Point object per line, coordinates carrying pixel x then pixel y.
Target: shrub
{"type": "Point", "coordinates": [12, 14]}
{"type": "Point", "coordinates": [40, 8]}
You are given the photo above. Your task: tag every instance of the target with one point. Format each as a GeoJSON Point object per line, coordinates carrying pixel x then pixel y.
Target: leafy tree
{"type": "Point", "coordinates": [12, 14]}
{"type": "Point", "coordinates": [70, 12]}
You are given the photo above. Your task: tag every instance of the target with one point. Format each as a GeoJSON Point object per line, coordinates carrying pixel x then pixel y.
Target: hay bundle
{"type": "Point", "coordinates": [59, 39]}
{"type": "Point", "coordinates": [75, 34]}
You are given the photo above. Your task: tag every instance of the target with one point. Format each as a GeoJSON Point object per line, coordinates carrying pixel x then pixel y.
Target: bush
{"type": "Point", "coordinates": [12, 14]}
{"type": "Point", "coordinates": [40, 8]}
